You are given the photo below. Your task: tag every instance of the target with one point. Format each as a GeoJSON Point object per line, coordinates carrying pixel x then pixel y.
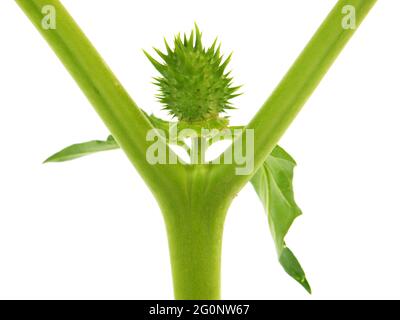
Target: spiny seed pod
{"type": "Point", "coordinates": [194, 85]}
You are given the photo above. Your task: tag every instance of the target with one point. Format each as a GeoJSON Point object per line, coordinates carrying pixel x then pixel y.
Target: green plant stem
{"type": "Point", "coordinates": [279, 111]}
{"type": "Point", "coordinates": [124, 119]}
{"type": "Point", "coordinates": [195, 241]}
{"type": "Point", "coordinates": [195, 228]}
{"type": "Point", "coordinates": [199, 148]}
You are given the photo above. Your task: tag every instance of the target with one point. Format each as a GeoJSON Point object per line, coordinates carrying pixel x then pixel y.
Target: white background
{"type": "Point", "coordinates": [91, 229]}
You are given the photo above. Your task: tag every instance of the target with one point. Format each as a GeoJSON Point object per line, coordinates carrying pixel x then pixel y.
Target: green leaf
{"type": "Point", "coordinates": [273, 184]}
{"type": "Point", "coordinates": [87, 148]}
{"type": "Point", "coordinates": [83, 149]}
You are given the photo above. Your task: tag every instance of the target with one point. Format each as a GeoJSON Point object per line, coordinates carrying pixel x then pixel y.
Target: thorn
{"type": "Point", "coordinates": [191, 40]}
{"type": "Point", "coordinates": [162, 55]}
{"type": "Point", "coordinates": [168, 47]}
{"type": "Point", "coordinates": [155, 63]}
{"type": "Point", "coordinates": [198, 37]}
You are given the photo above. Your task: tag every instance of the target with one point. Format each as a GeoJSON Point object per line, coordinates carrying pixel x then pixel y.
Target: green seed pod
{"type": "Point", "coordinates": [194, 85]}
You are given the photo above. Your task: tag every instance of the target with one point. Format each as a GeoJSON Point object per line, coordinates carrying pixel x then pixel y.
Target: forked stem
{"type": "Point", "coordinates": [194, 199]}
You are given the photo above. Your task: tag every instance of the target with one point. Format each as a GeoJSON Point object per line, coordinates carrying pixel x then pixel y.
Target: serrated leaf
{"type": "Point", "coordinates": [273, 184]}
{"type": "Point", "coordinates": [79, 150]}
